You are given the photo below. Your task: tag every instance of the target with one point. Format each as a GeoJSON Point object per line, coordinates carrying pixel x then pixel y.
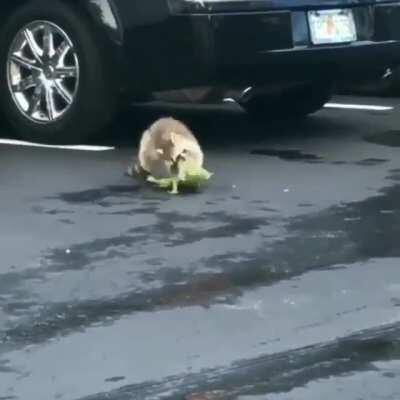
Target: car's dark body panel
{"type": "Point", "coordinates": [266, 5]}
{"type": "Point", "coordinates": [168, 44]}
{"type": "Point", "coordinates": [231, 42]}
{"type": "Point", "coordinates": [105, 15]}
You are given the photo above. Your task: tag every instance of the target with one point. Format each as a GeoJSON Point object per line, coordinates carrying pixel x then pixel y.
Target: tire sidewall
{"type": "Point", "coordinates": [79, 120]}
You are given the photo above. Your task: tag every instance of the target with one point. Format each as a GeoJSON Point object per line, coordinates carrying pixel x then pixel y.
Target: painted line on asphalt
{"type": "Point", "coordinates": [368, 107]}
{"type": "Point", "coordinates": [14, 142]}
{"type": "Point", "coordinates": [358, 107]}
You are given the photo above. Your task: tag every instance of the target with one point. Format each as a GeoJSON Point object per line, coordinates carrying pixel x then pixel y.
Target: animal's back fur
{"type": "Point", "coordinates": [158, 136]}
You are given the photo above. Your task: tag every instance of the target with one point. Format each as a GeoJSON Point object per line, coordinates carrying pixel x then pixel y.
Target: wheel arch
{"type": "Point", "coordinates": [102, 13]}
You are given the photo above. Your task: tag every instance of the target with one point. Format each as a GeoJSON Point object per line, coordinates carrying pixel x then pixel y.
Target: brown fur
{"type": "Point", "coordinates": [164, 145]}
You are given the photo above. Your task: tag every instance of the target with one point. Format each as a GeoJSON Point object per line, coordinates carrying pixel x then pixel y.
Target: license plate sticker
{"type": "Point", "coordinates": [332, 26]}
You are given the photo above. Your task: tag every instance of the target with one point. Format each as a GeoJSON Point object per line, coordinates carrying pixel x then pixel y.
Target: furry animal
{"type": "Point", "coordinates": [163, 146]}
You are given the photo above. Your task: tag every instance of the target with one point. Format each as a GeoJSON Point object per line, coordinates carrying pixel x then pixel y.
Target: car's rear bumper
{"type": "Point", "coordinates": [275, 45]}
{"type": "Point", "coordinates": [263, 46]}
{"type": "Point", "coordinates": [359, 60]}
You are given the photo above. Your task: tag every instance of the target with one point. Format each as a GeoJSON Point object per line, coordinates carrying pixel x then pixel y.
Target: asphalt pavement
{"type": "Point", "coordinates": [279, 281]}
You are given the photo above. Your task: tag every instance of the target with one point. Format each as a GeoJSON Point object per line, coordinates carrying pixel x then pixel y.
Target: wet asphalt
{"type": "Point", "coordinates": [280, 281]}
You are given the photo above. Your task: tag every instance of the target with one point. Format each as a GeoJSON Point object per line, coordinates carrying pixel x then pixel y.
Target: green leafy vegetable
{"type": "Point", "coordinates": [191, 179]}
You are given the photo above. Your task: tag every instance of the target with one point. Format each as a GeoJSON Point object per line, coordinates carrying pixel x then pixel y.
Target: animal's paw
{"type": "Point", "coordinates": [174, 189]}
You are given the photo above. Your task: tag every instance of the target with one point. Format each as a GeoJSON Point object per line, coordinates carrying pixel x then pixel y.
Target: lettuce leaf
{"type": "Point", "coordinates": [192, 179]}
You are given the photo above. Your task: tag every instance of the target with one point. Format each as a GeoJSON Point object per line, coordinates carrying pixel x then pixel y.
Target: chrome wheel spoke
{"type": "Point", "coordinates": [35, 100]}
{"type": "Point", "coordinates": [25, 84]}
{"type": "Point", "coordinates": [24, 62]}
{"type": "Point", "coordinates": [33, 46]}
{"type": "Point", "coordinates": [63, 92]}
{"type": "Point", "coordinates": [50, 104]}
{"type": "Point", "coordinates": [66, 72]}
{"type": "Point", "coordinates": [43, 71]}
{"type": "Point", "coordinates": [48, 42]}
{"type": "Point", "coordinates": [61, 51]}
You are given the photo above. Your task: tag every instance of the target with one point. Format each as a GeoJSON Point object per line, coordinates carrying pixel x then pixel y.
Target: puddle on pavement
{"type": "Point", "coordinates": [389, 138]}
{"type": "Point", "coordinates": [287, 155]}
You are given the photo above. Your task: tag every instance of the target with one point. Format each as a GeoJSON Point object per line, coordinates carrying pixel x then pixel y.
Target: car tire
{"type": "Point", "coordinates": [294, 102]}
{"type": "Point", "coordinates": [64, 94]}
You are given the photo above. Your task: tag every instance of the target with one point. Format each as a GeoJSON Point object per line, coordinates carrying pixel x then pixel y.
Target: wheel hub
{"type": "Point", "coordinates": [49, 72]}
{"type": "Point", "coordinates": [43, 71]}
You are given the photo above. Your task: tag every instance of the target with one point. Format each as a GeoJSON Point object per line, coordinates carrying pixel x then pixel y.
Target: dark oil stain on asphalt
{"type": "Point", "coordinates": [378, 113]}
{"type": "Point", "coordinates": [132, 211]}
{"type": "Point", "coordinates": [56, 212]}
{"type": "Point", "coordinates": [370, 162]}
{"type": "Point", "coordinates": [287, 154]}
{"type": "Point", "coordinates": [213, 395]}
{"type": "Point", "coordinates": [367, 162]}
{"type": "Point", "coordinates": [115, 379]}
{"type": "Point", "coordinates": [226, 226]}
{"type": "Point", "coordinates": [4, 368]}
{"type": "Point", "coordinates": [390, 375]}
{"type": "Point", "coordinates": [394, 175]}
{"type": "Point", "coordinates": [269, 209]}
{"type": "Point", "coordinates": [389, 138]}
{"type": "Point", "coordinates": [339, 235]}
{"type": "Point", "coordinates": [339, 162]}
{"type": "Point", "coordinates": [305, 205]}
{"type": "Point", "coordinates": [67, 221]}
{"type": "Point", "coordinates": [79, 256]}
{"type": "Point", "coordinates": [396, 302]}
{"type": "Point", "coordinates": [97, 195]}
{"type": "Point", "coordinates": [276, 373]}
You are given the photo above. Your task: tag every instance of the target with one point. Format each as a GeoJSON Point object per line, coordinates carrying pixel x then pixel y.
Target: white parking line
{"type": "Point", "coordinates": [14, 142]}
{"type": "Point", "coordinates": [358, 107]}
{"type": "Point", "coordinates": [367, 107]}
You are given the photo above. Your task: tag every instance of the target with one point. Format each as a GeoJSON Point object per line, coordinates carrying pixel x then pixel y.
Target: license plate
{"type": "Point", "coordinates": [332, 26]}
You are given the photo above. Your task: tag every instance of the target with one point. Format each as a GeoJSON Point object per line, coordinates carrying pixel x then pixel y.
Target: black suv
{"type": "Point", "coordinates": [67, 64]}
